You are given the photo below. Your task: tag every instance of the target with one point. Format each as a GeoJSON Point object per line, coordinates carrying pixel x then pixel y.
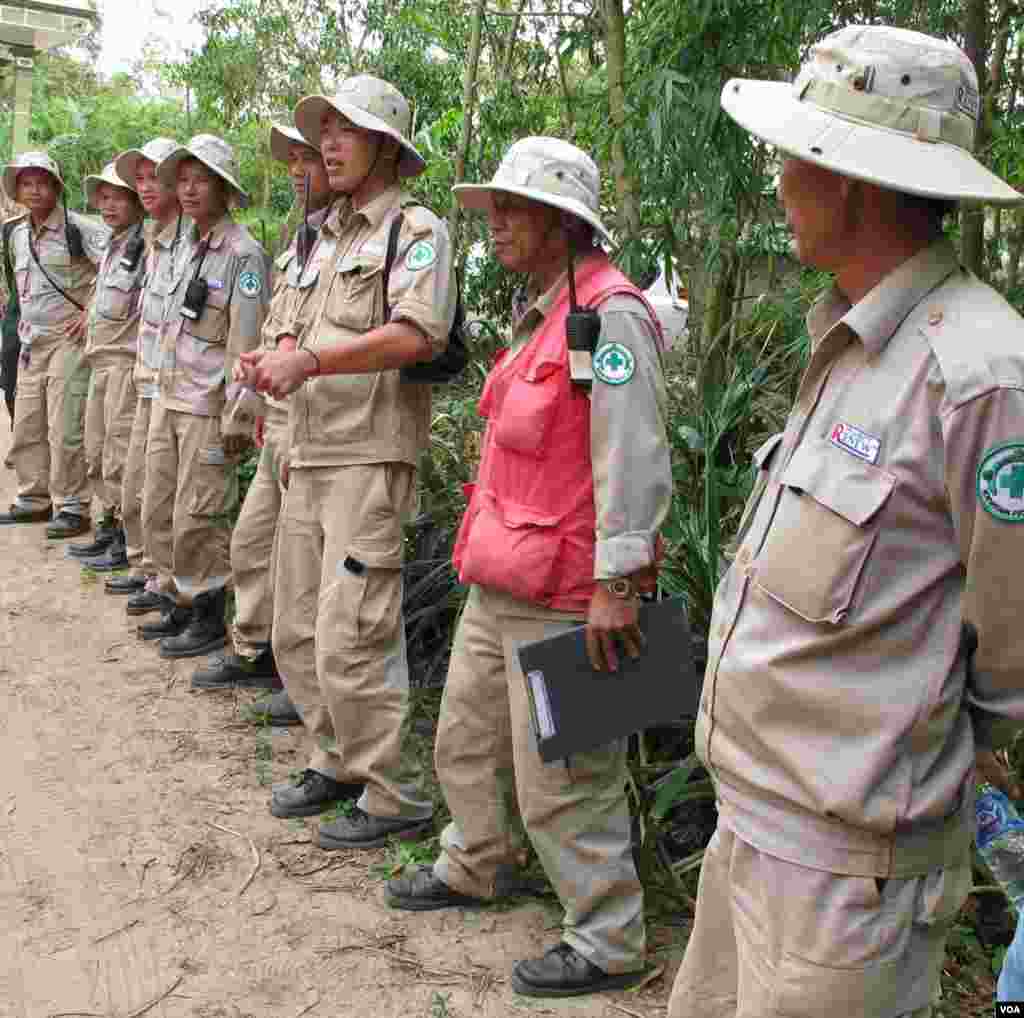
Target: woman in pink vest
{"type": "Point", "coordinates": [561, 528]}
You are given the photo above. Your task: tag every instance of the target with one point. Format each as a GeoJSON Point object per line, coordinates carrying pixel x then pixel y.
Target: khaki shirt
{"type": "Point", "coordinates": [629, 448]}
{"type": "Point", "coordinates": [337, 420]}
{"type": "Point", "coordinates": [113, 326]}
{"type": "Point", "coordinates": [294, 285]}
{"type": "Point", "coordinates": [837, 708]}
{"type": "Point", "coordinates": [164, 263]}
{"type": "Point", "coordinates": [45, 313]}
{"type": "Point", "coordinates": [199, 356]}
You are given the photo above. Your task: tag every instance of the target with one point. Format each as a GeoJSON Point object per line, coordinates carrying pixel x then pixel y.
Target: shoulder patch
{"type": "Point", "coordinates": [1000, 483]}
{"type": "Point", "coordinates": [250, 283]}
{"type": "Point", "coordinates": [614, 363]}
{"type": "Point", "coordinates": [421, 255]}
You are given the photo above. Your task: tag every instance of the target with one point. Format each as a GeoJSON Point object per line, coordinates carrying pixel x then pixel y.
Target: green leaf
{"type": "Point", "coordinates": [672, 787]}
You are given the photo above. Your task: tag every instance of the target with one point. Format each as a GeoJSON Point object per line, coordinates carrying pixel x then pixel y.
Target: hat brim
{"type": "Point", "coordinates": [167, 171]}
{"type": "Point", "coordinates": [878, 155]}
{"type": "Point", "coordinates": [10, 179]}
{"type": "Point", "coordinates": [93, 181]}
{"type": "Point", "coordinates": [128, 162]}
{"type": "Point", "coordinates": [282, 139]}
{"type": "Point", "coordinates": [309, 112]}
{"type": "Point", "coordinates": [480, 198]}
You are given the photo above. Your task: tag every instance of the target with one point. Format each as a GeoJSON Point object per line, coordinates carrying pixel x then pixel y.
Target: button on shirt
{"type": "Point", "coordinates": [838, 700]}
{"type": "Point", "coordinates": [164, 262]}
{"type": "Point", "coordinates": [198, 355]}
{"type": "Point", "coordinates": [45, 312]}
{"type": "Point", "coordinates": [337, 420]}
{"type": "Point", "coordinates": [113, 327]}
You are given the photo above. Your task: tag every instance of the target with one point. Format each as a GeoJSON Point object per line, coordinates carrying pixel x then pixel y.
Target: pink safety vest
{"type": "Point", "coordinates": [530, 525]}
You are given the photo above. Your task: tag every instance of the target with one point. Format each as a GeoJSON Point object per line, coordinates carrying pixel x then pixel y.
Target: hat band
{"type": "Point", "coordinates": [923, 123]}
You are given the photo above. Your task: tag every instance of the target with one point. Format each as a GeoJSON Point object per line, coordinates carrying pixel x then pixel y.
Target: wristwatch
{"type": "Point", "coordinates": [621, 587]}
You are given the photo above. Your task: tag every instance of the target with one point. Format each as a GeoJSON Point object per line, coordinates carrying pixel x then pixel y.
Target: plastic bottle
{"type": "Point", "coordinates": [1000, 841]}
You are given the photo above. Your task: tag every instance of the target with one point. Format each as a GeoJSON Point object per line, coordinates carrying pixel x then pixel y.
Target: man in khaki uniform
{"type": "Point", "coordinates": [561, 528]}
{"type": "Point", "coordinates": [866, 640]}
{"type": "Point", "coordinates": [357, 431]}
{"type": "Point", "coordinates": [251, 662]}
{"type": "Point", "coordinates": [110, 348]}
{"type": "Point", "coordinates": [55, 262]}
{"type": "Point", "coordinates": [164, 243]}
{"type": "Point", "coordinates": [202, 419]}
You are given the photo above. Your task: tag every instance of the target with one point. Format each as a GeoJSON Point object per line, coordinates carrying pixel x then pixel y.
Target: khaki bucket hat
{"type": "Point", "coordinates": [282, 137]}
{"type": "Point", "coordinates": [29, 161]}
{"type": "Point", "coordinates": [885, 105]}
{"type": "Point", "coordinates": [370, 103]}
{"type": "Point", "coordinates": [547, 170]}
{"type": "Point", "coordinates": [215, 154]}
{"type": "Point", "coordinates": [156, 151]}
{"type": "Point", "coordinates": [108, 176]}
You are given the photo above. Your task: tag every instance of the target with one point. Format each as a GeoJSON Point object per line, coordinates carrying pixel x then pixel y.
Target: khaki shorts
{"type": "Point", "coordinates": [773, 939]}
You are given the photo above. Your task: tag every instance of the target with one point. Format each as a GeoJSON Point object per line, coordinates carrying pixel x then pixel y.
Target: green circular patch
{"type": "Point", "coordinates": [250, 283]}
{"type": "Point", "coordinates": [1000, 482]}
{"type": "Point", "coordinates": [614, 363]}
{"type": "Point", "coordinates": [421, 256]}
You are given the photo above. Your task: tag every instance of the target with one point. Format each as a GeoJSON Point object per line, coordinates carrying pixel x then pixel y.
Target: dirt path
{"type": "Point", "coordinates": [133, 814]}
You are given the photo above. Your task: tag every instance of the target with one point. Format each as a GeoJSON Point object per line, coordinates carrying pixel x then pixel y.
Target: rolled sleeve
{"type": "Point", "coordinates": [629, 446]}
{"type": "Point", "coordinates": [979, 436]}
{"type": "Point", "coordinates": [421, 288]}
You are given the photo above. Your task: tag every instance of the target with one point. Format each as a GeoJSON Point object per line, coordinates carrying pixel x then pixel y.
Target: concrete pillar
{"type": "Point", "coordinates": [22, 107]}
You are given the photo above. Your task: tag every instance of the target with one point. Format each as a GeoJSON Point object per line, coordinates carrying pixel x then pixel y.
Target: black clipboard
{"type": "Point", "coordinates": [575, 708]}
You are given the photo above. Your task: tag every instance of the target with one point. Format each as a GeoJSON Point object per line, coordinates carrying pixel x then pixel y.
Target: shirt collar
{"type": "Point", "coordinates": [880, 312]}
{"type": "Point", "coordinates": [217, 233]}
{"type": "Point", "coordinates": [54, 221]}
{"type": "Point", "coordinates": [530, 308]}
{"type": "Point", "coordinates": [376, 210]}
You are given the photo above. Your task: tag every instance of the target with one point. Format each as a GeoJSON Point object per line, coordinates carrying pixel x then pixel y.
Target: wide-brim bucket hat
{"type": "Point", "coordinates": [215, 154]}
{"type": "Point", "coordinates": [109, 175]}
{"type": "Point", "coordinates": [885, 105]}
{"type": "Point", "coordinates": [370, 103]}
{"type": "Point", "coordinates": [282, 137]}
{"type": "Point", "coordinates": [156, 151]}
{"type": "Point", "coordinates": [29, 161]}
{"type": "Point", "coordinates": [547, 170]}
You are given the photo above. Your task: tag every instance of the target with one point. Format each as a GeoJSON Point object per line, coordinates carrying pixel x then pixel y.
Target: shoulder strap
{"type": "Point", "coordinates": [389, 258]}
{"type": "Point", "coordinates": [53, 282]}
{"type": "Point", "coordinates": [8, 229]}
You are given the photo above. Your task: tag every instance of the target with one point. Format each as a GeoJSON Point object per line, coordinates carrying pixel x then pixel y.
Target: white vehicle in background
{"type": "Point", "coordinates": [672, 308]}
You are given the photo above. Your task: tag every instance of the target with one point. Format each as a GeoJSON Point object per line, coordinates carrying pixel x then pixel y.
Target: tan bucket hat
{"type": "Point", "coordinates": [282, 137]}
{"type": "Point", "coordinates": [370, 103]}
{"type": "Point", "coordinates": [29, 161]}
{"type": "Point", "coordinates": [886, 105]}
{"type": "Point", "coordinates": [156, 151]}
{"type": "Point", "coordinates": [215, 154]}
{"type": "Point", "coordinates": [547, 170]}
{"type": "Point", "coordinates": [108, 176]}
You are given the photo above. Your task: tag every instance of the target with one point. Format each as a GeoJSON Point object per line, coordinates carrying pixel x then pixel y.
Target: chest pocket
{"type": "Point", "coordinates": [824, 528]}
{"type": "Point", "coordinates": [356, 302]}
{"type": "Point", "coordinates": [212, 324]}
{"type": "Point", "coordinates": [116, 297]}
{"type": "Point", "coordinates": [527, 411]}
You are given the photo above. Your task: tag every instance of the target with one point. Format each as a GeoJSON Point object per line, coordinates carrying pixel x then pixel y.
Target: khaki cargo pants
{"type": "Point", "coordinates": [252, 543]}
{"type": "Point", "coordinates": [109, 415]}
{"type": "Point", "coordinates": [47, 452]}
{"type": "Point", "coordinates": [575, 812]}
{"type": "Point", "coordinates": [772, 939]}
{"type": "Point", "coordinates": [132, 488]}
{"type": "Point", "coordinates": [338, 636]}
{"type": "Point", "coordinates": [191, 491]}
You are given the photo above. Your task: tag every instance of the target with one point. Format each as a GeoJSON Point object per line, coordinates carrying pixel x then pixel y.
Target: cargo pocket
{"type": "Point", "coordinates": [212, 325]}
{"type": "Point", "coordinates": [76, 395]}
{"type": "Point", "coordinates": [115, 299]}
{"type": "Point", "coordinates": [356, 300]}
{"type": "Point", "coordinates": [762, 465]}
{"type": "Point", "coordinates": [823, 532]}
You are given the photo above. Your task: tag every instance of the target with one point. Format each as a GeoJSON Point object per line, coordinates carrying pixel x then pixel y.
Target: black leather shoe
{"type": "Point", "coordinates": [358, 829]}
{"type": "Point", "coordinates": [205, 630]}
{"type": "Point", "coordinates": [313, 794]}
{"type": "Point", "coordinates": [228, 669]}
{"type": "Point", "coordinates": [124, 584]}
{"type": "Point", "coordinates": [173, 620]}
{"type": "Point", "coordinates": [67, 524]}
{"type": "Point", "coordinates": [564, 972]}
{"type": "Point", "coordinates": [146, 602]}
{"type": "Point", "coordinates": [106, 531]}
{"type": "Point", "coordinates": [16, 515]}
{"type": "Point", "coordinates": [274, 710]}
{"type": "Point", "coordinates": [115, 557]}
{"type": "Point", "coordinates": [418, 890]}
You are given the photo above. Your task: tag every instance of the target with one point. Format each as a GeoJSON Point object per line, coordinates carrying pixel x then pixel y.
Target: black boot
{"type": "Point", "coordinates": [173, 620]}
{"type": "Point", "coordinates": [18, 515]}
{"type": "Point", "coordinates": [67, 524]}
{"type": "Point", "coordinates": [145, 602]}
{"type": "Point", "coordinates": [227, 670]}
{"type": "Point", "coordinates": [115, 557]}
{"type": "Point", "coordinates": [133, 584]}
{"type": "Point", "coordinates": [205, 631]}
{"type": "Point", "coordinates": [106, 531]}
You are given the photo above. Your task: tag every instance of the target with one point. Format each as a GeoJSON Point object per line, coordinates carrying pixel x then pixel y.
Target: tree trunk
{"type": "Point", "coordinates": [615, 42]}
{"type": "Point", "coordinates": [468, 101]}
{"type": "Point", "coordinates": [972, 218]}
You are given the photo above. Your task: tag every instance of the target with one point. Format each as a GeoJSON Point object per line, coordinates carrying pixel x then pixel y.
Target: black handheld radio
{"type": "Point", "coordinates": [307, 235]}
{"type": "Point", "coordinates": [582, 330]}
{"type": "Point", "coordinates": [72, 234]}
{"type": "Point", "coordinates": [198, 290]}
{"type": "Point", "coordinates": [133, 251]}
